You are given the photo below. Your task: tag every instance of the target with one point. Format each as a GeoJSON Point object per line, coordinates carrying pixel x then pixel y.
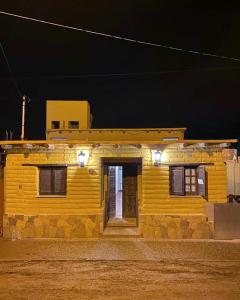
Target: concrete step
{"type": "Point", "coordinates": [120, 222]}
{"type": "Point", "coordinates": [121, 232]}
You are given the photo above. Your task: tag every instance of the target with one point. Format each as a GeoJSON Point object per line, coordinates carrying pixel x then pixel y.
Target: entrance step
{"type": "Point", "coordinates": [121, 232]}
{"type": "Point", "coordinates": [119, 222]}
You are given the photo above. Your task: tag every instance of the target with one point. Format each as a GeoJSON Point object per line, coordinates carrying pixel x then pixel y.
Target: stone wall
{"type": "Point", "coordinates": [152, 227]}
{"type": "Point", "coordinates": [51, 226]}
{"type": "Point", "coordinates": [157, 227]}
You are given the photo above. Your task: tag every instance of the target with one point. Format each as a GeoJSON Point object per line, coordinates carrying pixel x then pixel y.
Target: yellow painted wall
{"type": "Point", "coordinates": [1, 196]}
{"type": "Point", "coordinates": [156, 187]}
{"type": "Point", "coordinates": [117, 135]}
{"type": "Point", "coordinates": [65, 111]}
{"type": "Point", "coordinates": [84, 184]}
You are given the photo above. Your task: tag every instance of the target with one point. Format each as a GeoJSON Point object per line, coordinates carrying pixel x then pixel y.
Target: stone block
{"type": "Point", "coordinates": [78, 231]}
{"type": "Point", "coordinates": [12, 221]}
{"type": "Point", "coordinates": [197, 234]}
{"type": "Point", "coordinates": [28, 231]}
{"type": "Point", "coordinates": [187, 233]}
{"type": "Point", "coordinates": [158, 234]}
{"type": "Point", "coordinates": [62, 222]}
{"type": "Point", "coordinates": [39, 231]}
{"type": "Point", "coordinates": [45, 231]}
{"type": "Point", "coordinates": [53, 221]}
{"type": "Point", "coordinates": [20, 224]}
{"type": "Point", "coordinates": [149, 232]}
{"type": "Point", "coordinates": [164, 231]}
{"type": "Point", "coordinates": [172, 233]}
{"type": "Point", "coordinates": [44, 219]}
{"type": "Point", "coordinates": [5, 221]}
{"type": "Point", "coordinates": [89, 227]}
{"type": "Point", "coordinates": [52, 230]}
{"type": "Point", "coordinates": [31, 219]}
{"type": "Point", "coordinates": [184, 224]}
{"type": "Point", "coordinates": [37, 222]}
{"type": "Point", "coordinates": [68, 232]}
{"type": "Point", "coordinates": [6, 232]}
{"type": "Point", "coordinates": [172, 224]}
{"type": "Point", "coordinates": [60, 233]}
{"type": "Point", "coordinates": [179, 233]}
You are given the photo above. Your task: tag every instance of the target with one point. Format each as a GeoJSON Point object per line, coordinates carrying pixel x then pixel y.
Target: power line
{"type": "Point", "coordinates": [10, 71]}
{"type": "Point", "coordinates": [120, 37]}
{"type": "Point", "coordinates": [56, 77]}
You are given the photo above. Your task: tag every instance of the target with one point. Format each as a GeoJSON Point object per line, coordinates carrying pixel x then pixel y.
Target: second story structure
{"type": "Point", "coordinates": [64, 119]}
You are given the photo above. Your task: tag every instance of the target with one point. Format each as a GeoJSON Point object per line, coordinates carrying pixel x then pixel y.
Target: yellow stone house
{"type": "Point", "coordinates": [82, 182]}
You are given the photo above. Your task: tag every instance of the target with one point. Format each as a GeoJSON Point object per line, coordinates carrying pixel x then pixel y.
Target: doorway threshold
{"type": "Point", "coordinates": [121, 232]}
{"type": "Point", "coordinates": [122, 222]}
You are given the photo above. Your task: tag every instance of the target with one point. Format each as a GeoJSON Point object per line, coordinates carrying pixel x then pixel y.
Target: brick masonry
{"type": "Point", "coordinates": [54, 226]}
{"type": "Point", "coordinates": [157, 227]}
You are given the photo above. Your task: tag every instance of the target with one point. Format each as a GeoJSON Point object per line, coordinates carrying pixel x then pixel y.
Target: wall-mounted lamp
{"type": "Point", "coordinates": [82, 158]}
{"type": "Point", "coordinates": [157, 155]}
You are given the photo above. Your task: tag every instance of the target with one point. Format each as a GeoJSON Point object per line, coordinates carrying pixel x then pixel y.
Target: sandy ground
{"type": "Point", "coordinates": [119, 270]}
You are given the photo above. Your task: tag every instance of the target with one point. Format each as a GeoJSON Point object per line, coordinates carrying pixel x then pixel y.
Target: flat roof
{"type": "Point", "coordinates": [123, 129]}
{"type": "Point", "coordinates": [134, 142]}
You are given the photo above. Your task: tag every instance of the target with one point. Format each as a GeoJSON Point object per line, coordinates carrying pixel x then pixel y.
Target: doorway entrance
{"type": "Point", "coordinates": [121, 192]}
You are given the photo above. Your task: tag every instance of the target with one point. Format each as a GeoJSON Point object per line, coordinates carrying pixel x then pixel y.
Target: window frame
{"type": "Point", "coordinates": [53, 192]}
{"type": "Point", "coordinates": [185, 193]}
{"type": "Point", "coordinates": [53, 123]}
{"type": "Point", "coordinates": [191, 184]}
{"type": "Point", "coordinates": [72, 126]}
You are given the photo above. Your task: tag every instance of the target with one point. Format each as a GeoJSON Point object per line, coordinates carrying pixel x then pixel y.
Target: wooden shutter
{"type": "Point", "coordinates": [59, 181]}
{"type": "Point", "coordinates": [45, 184]}
{"type": "Point", "coordinates": [177, 180]}
{"type": "Point", "coordinates": [202, 181]}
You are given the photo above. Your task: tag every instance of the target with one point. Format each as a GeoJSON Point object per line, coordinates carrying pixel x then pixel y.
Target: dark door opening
{"type": "Point", "coordinates": [121, 199]}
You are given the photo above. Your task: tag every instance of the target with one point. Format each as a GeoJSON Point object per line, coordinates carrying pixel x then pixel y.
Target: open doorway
{"type": "Point", "coordinates": [115, 191]}
{"type": "Point", "coordinates": [121, 192]}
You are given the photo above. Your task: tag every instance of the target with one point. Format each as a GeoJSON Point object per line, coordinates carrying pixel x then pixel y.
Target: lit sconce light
{"type": "Point", "coordinates": [157, 155]}
{"type": "Point", "coordinates": [82, 158]}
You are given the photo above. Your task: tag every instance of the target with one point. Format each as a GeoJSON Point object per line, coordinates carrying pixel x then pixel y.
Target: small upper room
{"type": "Point", "coordinates": [64, 118]}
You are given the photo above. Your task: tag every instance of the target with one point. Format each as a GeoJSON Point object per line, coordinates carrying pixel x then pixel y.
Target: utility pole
{"type": "Point", "coordinates": [23, 116]}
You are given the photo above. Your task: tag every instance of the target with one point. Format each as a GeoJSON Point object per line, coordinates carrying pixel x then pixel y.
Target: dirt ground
{"type": "Point", "coordinates": [119, 270]}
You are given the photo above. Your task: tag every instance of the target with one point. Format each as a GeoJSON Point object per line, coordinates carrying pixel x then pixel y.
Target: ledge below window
{"type": "Point", "coordinates": [51, 196]}
{"type": "Point", "coordinates": [187, 196]}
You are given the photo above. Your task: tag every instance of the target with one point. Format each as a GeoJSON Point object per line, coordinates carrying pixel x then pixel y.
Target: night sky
{"type": "Point", "coordinates": [170, 89]}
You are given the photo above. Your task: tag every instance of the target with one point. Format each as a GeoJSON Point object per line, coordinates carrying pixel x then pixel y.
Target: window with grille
{"type": "Point", "coordinates": [52, 180]}
{"type": "Point", "coordinates": [188, 180]}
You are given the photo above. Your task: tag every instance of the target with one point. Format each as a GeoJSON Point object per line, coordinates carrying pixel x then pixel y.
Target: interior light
{"type": "Point", "coordinates": [157, 157]}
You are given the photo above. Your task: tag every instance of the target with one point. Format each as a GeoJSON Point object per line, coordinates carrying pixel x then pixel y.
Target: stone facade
{"type": "Point", "coordinates": [51, 226]}
{"type": "Point", "coordinates": [157, 227]}
{"type": "Point", "coordinates": [152, 227]}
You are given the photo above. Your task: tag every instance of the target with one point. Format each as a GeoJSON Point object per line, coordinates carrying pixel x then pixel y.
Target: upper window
{"type": "Point", "coordinates": [73, 124]}
{"type": "Point", "coordinates": [52, 180]}
{"type": "Point", "coordinates": [188, 180]}
{"type": "Point", "coordinates": [55, 124]}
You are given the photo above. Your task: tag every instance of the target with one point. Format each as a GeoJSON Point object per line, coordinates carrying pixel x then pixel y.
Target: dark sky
{"type": "Point", "coordinates": [193, 91]}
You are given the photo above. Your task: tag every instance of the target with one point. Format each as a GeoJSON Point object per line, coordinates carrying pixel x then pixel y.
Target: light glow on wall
{"type": "Point", "coordinates": [82, 157]}
{"type": "Point", "coordinates": [159, 156]}
{"type": "Point", "coordinates": [156, 157]}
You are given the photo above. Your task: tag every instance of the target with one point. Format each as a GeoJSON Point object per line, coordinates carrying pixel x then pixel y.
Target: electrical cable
{"type": "Point", "coordinates": [10, 71]}
{"type": "Point", "coordinates": [121, 38]}
{"type": "Point", "coordinates": [56, 77]}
